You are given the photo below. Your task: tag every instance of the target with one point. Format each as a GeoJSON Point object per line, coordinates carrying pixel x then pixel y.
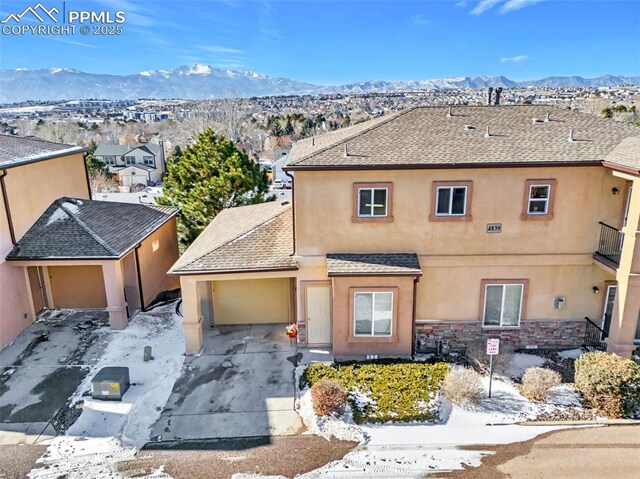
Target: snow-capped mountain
{"type": "Point", "coordinates": [203, 81]}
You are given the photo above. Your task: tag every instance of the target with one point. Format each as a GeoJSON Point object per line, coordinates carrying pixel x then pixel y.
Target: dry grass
{"type": "Point", "coordinates": [463, 386]}
{"type": "Point", "coordinates": [537, 382]}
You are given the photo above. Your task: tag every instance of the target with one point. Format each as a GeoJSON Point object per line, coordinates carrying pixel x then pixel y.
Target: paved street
{"type": "Point", "coordinates": [604, 452]}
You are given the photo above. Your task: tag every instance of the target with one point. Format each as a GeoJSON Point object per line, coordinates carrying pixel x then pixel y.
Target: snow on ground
{"type": "Point", "coordinates": [107, 431]}
{"type": "Point", "coordinates": [571, 353]}
{"type": "Point", "coordinates": [521, 362]}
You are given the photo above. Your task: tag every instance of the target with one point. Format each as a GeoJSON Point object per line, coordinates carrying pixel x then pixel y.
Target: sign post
{"type": "Point", "coordinates": [493, 348]}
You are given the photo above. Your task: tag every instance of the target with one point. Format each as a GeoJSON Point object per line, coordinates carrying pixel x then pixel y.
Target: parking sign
{"type": "Point", "coordinates": [493, 346]}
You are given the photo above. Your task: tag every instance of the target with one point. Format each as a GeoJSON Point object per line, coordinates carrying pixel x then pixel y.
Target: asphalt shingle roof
{"type": "Point", "coordinates": [346, 264]}
{"type": "Point", "coordinates": [16, 150]}
{"type": "Point", "coordinates": [245, 238]}
{"type": "Point", "coordinates": [626, 153]}
{"type": "Point", "coordinates": [427, 137]}
{"type": "Point", "coordinates": [119, 150]}
{"type": "Point", "coordinates": [73, 228]}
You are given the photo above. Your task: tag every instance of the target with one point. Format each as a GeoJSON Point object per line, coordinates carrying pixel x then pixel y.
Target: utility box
{"type": "Point", "coordinates": [110, 383]}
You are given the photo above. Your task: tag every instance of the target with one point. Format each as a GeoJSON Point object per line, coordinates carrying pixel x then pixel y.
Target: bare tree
{"type": "Point", "coordinates": [60, 131]}
{"type": "Point", "coordinates": [101, 183]}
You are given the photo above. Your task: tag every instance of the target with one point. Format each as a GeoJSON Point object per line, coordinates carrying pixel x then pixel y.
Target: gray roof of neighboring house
{"type": "Point", "coordinates": [73, 228]}
{"type": "Point", "coordinates": [119, 150]}
{"type": "Point", "coordinates": [16, 150]}
{"type": "Point", "coordinates": [350, 264]}
{"type": "Point", "coordinates": [428, 137]}
{"type": "Point", "coordinates": [244, 239]}
{"type": "Point", "coordinates": [626, 153]}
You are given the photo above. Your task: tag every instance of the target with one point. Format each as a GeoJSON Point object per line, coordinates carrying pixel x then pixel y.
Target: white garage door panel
{"type": "Point", "coordinates": [251, 301]}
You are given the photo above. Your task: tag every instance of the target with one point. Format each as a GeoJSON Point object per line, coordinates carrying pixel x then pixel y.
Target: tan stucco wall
{"type": "Point", "coordinates": [345, 345]}
{"type": "Point", "coordinates": [157, 254]}
{"type": "Point", "coordinates": [583, 197]}
{"type": "Point", "coordinates": [16, 312]}
{"type": "Point", "coordinates": [251, 301]}
{"type": "Point", "coordinates": [77, 286]}
{"type": "Point", "coordinates": [32, 188]}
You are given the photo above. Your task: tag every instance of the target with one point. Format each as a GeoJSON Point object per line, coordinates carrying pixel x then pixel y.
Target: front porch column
{"type": "Point", "coordinates": [192, 321]}
{"type": "Point", "coordinates": [114, 289]}
{"type": "Point", "coordinates": [626, 310]}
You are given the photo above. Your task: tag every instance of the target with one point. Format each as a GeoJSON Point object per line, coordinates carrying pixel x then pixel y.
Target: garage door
{"type": "Point", "coordinates": [251, 301]}
{"type": "Point", "coordinates": [77, 287]}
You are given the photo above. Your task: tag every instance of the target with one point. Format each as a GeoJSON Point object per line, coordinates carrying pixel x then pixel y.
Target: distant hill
{"type": "Point", "coordinates": [203, 81]}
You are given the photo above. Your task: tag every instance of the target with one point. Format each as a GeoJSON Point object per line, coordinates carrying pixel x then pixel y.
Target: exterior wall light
{"type": "Point", "coordinates": [615, 191]}
{"type": "Point", "coordinates": [596, 290]}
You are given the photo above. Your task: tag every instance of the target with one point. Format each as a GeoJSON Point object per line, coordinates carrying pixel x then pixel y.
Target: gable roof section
{"type": "Point", "coordinates": [626, 154]}
{"type": "Point", "coordinates": [17, 150]}
{"type": "Point", "coordinates": [121, 150]}
{"type": "Point", "coordinates": [427, 137]}
{"type": "Point", "coordinates": [373, 264]}
{"type": "Point", "coordinates": [73, 229]}
{"type": "Point", "coordinates": [245, 238]}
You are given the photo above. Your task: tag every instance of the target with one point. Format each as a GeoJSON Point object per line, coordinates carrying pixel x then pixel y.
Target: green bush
{"type": "Point", "coordinates": [385, 390]}
{"type": "Point", "coordinates": [610, 384]}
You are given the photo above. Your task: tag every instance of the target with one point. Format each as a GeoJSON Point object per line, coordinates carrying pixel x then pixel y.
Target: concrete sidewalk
{"type": "Point", "coordinates": [242, 385]}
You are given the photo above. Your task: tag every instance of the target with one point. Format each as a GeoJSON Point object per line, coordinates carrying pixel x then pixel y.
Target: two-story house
{"type": "Point", "coordinates": [142, 164]}
{"type": "Point", "coordinates": [60, 249]}
{"type": "Point", "coordinates": [437, 225]}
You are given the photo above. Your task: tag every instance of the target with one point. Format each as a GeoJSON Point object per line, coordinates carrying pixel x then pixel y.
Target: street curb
{"type": "Point", "coordinates": [594, 422]}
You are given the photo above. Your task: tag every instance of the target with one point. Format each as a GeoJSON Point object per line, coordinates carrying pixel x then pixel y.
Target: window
{"type": "Point", "coordinates": [130, 160]}
{"type": "Point", "coordinates": [372, 202]}
{"type": "Point", "coordinates": [451, 200]}
{"type": "Point", "coordinates": [539, 199]}
{"type": "Point", "coordinates": [503, 303]}
{"type": "Point", "coordinates": [148, 160]}
{"type": "Point", "coordinates": [110, 160]}
{"type": "Point", "coordinates": [373, 313]}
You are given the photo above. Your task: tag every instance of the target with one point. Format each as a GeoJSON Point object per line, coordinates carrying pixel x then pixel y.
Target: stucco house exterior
{"type": "Point", "coordinates": [60, 249]}
{"type": "Point", "coordinates": [134, 164]}
{"type": "Point", "coordinates": [437, 226]}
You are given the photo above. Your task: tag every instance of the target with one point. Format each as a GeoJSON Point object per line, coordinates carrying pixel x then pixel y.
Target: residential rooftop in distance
{"type": "Point", "coordinates": [16, 150]}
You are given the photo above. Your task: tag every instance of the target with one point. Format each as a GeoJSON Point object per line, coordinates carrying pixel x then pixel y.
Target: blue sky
{"type": "Point", "coordinates": [344, 41]}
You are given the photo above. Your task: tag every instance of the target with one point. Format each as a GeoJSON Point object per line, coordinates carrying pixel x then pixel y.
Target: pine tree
{"type": "Point", "coordinates": [211, 175]}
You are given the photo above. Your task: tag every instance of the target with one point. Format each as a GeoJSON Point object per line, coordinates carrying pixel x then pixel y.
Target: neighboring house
{"type": "Point", "coordinates": [64, 250]}
{"type": "Point", "coordinates": [437, 226]}
{"type": "Point", "coordinates": [134, 164]}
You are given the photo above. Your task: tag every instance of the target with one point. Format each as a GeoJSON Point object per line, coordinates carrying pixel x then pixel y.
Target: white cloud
{"type": "Point", "coordinates": [483, 6]}
{"type": "Point", "coordinates": [516, 59]}
{"type": "Point", "coordinates": [507, 5]}
{"type": "Point", "coordinates": [512, 5]}
{"type": "Point", "coordinates": [419, 20]}
{"type": "Point", "coordinates": [219, 49]}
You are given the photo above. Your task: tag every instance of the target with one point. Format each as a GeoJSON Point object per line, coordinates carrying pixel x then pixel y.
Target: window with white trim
{"type": "Point", "coordinates": [130, 160]}
{"type": "Point", "coordinates": [148, 160]}
{"type": "Point", "coordinates": [373, 313]}
{"type": "Point", "coordinates": [110, 160]}
{"type": "Point", "coordinates": [539, 197]}
{"type": "Point", "coordinates": [502, 304]}
{"type": "Point", "coordinates": [451, 200]}
{"type": "Point", "coordinates": [372, 202]}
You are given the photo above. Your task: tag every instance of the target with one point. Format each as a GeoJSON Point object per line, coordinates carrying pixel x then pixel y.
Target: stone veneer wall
{"type": "Point", "coordinates": [540, 334]}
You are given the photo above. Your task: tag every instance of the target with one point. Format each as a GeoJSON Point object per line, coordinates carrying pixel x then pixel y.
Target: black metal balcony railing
{"type": "Point", "coordinates": [594, 337]}
{"type": "Point", "coordinates": [610, 245]}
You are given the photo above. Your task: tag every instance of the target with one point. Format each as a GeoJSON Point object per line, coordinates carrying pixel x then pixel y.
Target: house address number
{"type": "Point", "coordinates": [494, 227]}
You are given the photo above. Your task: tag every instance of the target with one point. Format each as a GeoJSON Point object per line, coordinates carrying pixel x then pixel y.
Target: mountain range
{"type": "Point", "coordinates": [203, 81]}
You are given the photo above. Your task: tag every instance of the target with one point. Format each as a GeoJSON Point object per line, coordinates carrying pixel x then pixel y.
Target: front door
{"type": "Point", "coordinates": [37, 288]}
{"type": "Point", "coordinates": [608, 309]}
{"type": "Point", "coordinates": [318, 313]}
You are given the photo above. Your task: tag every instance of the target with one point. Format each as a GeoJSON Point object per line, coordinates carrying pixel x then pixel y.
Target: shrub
{"type": "Point", "coordinates": [328, 397]}
{"type": "Point", "coordinates": [385, 390]}
{"type": "Point", "coordinates": [476, 354]}
{"type": "Point", "coordinates": [537, 382]}
{"type": "Point", "coordinates": [609, 383]}
{"type": "Point", "coordinates": [462, 386]}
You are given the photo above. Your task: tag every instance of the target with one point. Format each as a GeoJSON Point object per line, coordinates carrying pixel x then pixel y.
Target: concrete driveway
{"type": "Point", "coordinates": [242, 385]}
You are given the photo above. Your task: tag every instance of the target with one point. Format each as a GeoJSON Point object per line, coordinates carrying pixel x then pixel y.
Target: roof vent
{"type": "Point", "coordinates": [571, 139]}
{"type": "Point", "coordinates": [346, 151]}
{"type": "Point", "coordinates": [535, 121]}
{"type": "Point", "coordinates": [284, 203]}
{"type": "Point", "coordinates": [450, 113]}
{"type": "Point", "coordinates": [488, 133]}
{"type": "Point", "coordinates": [313, 141]}
{"type": "Point", "coordinates": [469, 128]}
{"type": "Point", "coordinates": [547, 118]}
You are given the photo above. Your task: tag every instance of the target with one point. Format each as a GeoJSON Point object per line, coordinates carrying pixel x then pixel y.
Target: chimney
{"type": "Point", "coordinates": [489, 95]}
{"type": "Point", "coordinates": [498, 92]}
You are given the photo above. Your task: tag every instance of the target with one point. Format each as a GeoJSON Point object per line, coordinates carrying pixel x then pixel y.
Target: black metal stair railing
{"type": "Point", "coordinates": [594, 337]}
{"type": "Point", "coordinates": [610, 244]}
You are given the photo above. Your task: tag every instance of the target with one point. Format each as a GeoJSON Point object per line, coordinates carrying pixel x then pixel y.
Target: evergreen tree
{"type": "Point", "coordinates": [211, 175]}
{"type": "Point", "coordinates": [288, 127]}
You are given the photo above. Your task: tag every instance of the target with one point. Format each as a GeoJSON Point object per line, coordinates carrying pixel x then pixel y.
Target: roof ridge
{"type": "Point", "coordinates": [359, 133]}
{"type": "Point", "coordinates": [270, 218]}
{"type": "Point", "coordinates": [60, 202]}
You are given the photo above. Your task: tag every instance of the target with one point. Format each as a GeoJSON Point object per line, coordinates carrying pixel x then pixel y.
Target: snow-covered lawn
{"type": "Point", "coordinates": [108, 432]}
{"type": "Point", "coordinates": [412, 449]}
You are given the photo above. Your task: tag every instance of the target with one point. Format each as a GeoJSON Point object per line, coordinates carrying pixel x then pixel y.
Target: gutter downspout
{"type": "Point", "coordinates": [413, 323]}
{"type": "Point", "coordinates": [86, 174]}
{"type": "Point", "coordinates": [135, 252]}
{"type": "Point", "coordinates": [293, 209]}
{"type": "Point", "coordinates": [7, 209]}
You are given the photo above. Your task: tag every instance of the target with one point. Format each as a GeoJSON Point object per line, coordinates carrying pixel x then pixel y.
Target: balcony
{"type": "Point", "coordinates": [609, 246]}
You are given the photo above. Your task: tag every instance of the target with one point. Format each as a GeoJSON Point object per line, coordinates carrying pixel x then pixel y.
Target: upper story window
{"type": "Point", "coordinates": [373, 313]}
{"type": "Point", "coordinates": [130, 160]}
{"type": "Point", "coordinates": [539, 199]}
{"type": "Point", "coordinates": [503, 302]}
{"type": "Point", "coordinates": [372, 202]}
{"type": "Point", "coordinates": [148, 160]}
{"type": "Point", "coordinates": [451, 200]}
{"type": "Point", "coordinates": [110, 160]}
